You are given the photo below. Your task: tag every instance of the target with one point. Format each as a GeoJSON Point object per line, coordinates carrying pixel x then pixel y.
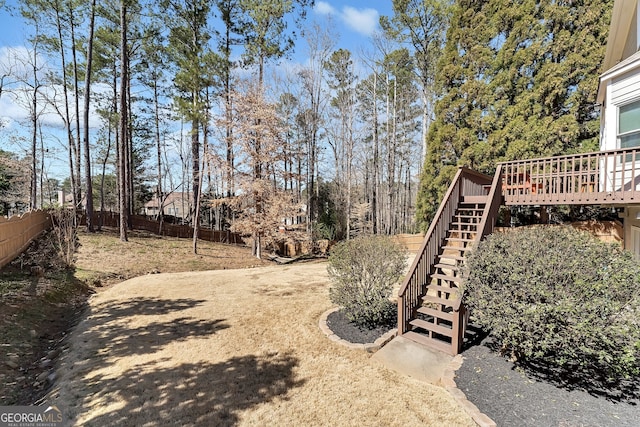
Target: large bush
{"type": "Point", "coordinates": [560, 300]}
{"type": "Point", "coordinates": [363, 272]}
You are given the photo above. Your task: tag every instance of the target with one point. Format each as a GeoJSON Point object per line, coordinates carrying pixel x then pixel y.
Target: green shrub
{"type": "Point", "coordinates": [363, 272]}
{"type": "Point", "coordinates": [558, 299]}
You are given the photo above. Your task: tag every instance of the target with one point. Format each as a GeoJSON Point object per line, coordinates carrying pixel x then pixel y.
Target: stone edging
{"type": "Point", "coordinates": [368, 347]}
{"type": "Point", "coordinates": [448, 382]}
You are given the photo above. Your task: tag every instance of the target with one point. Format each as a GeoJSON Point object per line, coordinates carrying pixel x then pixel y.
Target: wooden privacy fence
{"type": "Point", "coordinates": [412, 242]}
{"type": "Point", "coordinates": [112, 219]}
{"type": "Point", "coordinates": [17, 232]}
{"type": "Point", "coordinates": [606, 231]}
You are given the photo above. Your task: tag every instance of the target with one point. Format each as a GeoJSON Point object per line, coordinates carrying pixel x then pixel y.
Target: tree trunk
{"type": "Point", "coordinates": [159, 192]}
{"type": "Point", "coordinates": [122, 142]}
{"type": "Point", "coordinates": [87, 97]}
{"type": "Point", "coordinates": [33, 199]}
{"type": "Point", "coordinates": [376, 177]}
{"type": "Point", "coordinates": [78, 195]}
{"type": "Point", "coordinates": [195, 167]}
{"type": "Point", "coordinates": [67, 114]}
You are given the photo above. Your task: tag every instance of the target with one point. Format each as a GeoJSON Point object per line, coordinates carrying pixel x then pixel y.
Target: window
{"type": "Point", "coordinates": [629, 125]}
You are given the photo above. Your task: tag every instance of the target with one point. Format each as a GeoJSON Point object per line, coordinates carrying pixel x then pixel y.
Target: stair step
{"type": "Point", "coordinates": [477, 213]}
{"type": "Point", "coordinates": [440, 301]}
{"type": "Point", "coordinates": [451, 291]}
{"type": "Point", "coordinates": [436, 313]}
{"type": "Point", "coordinates": [457, 248]}
{"type": "Point", "coordinates": [471, 234]}
{"type": "Point", "coordinates": [452, 267]}
{"type": "Point", "coordinates": [458, 239]}
{"type": "Point", "coordinates": [475, 199]}
{"type": "Point", "coordinates": [447, 277]}
{"type": "Point", "coordinates": [460, 216]}
{"type": "Point", "coordinates": [451, 257]}
{"type": "Point", "coordinates": [440, 345]}
{"type": "Point", "coordinates": [442, 330]}
{"type": "Point", "coordinates": [473, 224]}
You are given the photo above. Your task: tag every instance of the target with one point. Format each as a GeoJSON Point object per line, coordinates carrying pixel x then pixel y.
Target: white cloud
{"type": "Point", "coordinates": [363, 21]}
{"type": "Point", "coordinates": [324, 8]}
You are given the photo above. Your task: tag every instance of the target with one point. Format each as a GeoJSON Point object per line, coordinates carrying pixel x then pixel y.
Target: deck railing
{"type": "Point", "coordinates": [465, 183]}
{"type": "Point", "coordinates": [494, 201]}
{"type": "Point", "coordinates": [604, 177]}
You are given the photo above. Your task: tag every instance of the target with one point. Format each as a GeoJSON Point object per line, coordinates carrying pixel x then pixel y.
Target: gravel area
{"type": "Point", "coordinates": [511, 397]}
{"type": "Point", "coordinates": [342, 327]}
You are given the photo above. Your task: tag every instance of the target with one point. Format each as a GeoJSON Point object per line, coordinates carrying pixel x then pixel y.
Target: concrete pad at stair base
{"type": "Point", "coordinates": [410, 358]}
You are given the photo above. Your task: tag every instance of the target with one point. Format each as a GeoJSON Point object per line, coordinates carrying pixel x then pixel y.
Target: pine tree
{"type": "Point", "coordinates": [516, 80]}
{"type": "Point", "coordinates": [189, 49]}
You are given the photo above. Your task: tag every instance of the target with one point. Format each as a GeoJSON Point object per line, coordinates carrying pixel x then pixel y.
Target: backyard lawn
{"type": "Point", "coordinates": [228, 347]}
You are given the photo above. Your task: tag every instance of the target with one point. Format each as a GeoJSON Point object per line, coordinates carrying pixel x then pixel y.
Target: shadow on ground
{"type": "Point", "coordinates": [143, 307]}
{"type": "Point", "coordinates": [120, 338]}
{"type": "Point", "coordinates": [196, 393]}
{"type": "Point", "coordinates": [161, 391]}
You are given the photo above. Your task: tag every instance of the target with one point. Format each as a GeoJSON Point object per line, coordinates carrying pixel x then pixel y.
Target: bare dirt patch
{"type": "Point", "coordinates": [234, 347]}
{"type": "Point", "coordinates": [35, 314]}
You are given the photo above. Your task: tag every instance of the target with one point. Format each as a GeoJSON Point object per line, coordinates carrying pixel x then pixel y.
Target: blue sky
{"type": "Point", "coordinates": [357, 19]}
{"type": "Point", "coordinates": [354, 21]}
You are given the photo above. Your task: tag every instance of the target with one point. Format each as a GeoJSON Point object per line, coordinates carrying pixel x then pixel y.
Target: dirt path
{"type": "Point", "coordinates": [231, 347]}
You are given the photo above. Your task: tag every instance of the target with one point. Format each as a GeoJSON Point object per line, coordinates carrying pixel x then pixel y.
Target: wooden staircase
{"type": "Point", "coordinates": [430, 301]}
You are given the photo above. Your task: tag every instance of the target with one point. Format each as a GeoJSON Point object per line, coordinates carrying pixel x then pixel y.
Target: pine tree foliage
{"type": "Point", "coordinates": [517, 79]}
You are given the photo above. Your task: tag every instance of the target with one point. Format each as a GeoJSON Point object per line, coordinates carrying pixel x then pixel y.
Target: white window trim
{"type": "Point", "coordinates": [618, 134]}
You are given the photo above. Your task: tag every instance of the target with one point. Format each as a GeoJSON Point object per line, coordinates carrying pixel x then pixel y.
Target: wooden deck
{"type": "Point", "coordinates": [604, 177]}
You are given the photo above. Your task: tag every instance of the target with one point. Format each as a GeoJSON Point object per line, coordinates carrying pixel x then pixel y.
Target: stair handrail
{"type": "Point", "coordinates": [492, 208]}
{"type": "Point", "coordinates": [489, 216]}
{"type": "Point", "coordinates": [410, 291]}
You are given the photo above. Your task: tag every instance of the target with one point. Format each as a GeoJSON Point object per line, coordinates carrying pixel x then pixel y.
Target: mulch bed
{"type": "Point", "coordinates": [342, 327]}
{"type": "Point", "coordinates": [512, 397]}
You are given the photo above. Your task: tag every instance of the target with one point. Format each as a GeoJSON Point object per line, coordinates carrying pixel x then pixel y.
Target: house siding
{"type": "Point", "coordinates": [625, 88]}
{"type": "Point", "coordinates": [619, 91]}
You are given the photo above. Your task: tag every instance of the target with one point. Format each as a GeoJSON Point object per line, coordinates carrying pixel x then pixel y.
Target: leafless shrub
{"type": "Point", "coordinates": [65, 236]}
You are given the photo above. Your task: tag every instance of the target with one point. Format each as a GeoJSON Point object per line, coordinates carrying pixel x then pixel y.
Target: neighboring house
{"type": "Point", "coordinates": [69, 200]}
{"type": "Point", "coordinates": [174, 204]}
{"type": "Point", "coordinates": [430, 309]}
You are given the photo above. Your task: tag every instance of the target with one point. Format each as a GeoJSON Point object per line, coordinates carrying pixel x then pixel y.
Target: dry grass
{"type": "Point", "coordinates": [227, 347]}
{"type": "Point", "coordinates": [103, 259]}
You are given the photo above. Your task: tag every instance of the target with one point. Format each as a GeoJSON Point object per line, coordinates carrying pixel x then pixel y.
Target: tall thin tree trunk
{"type": "Point", "coordinates": [67, 114]}
{"type": "Point", "coordinates": [195, 167]}
{"type": "Point", "coordinates": [78, 195]}
{"type": "Point", "coordinates": [159, 192]}
{"type": "Point", "coordinates": [122, 175]}
{"type": "Point", "coordinates": [376, 177]}
{"type": "Point", "coordinates": [34, 122]}
{"type": "Point", "coordinates": [129, 150]}
{"type": "Point", "coordinates": [87, 98]}
{"type": "Point", "coordinates": [41, 166]}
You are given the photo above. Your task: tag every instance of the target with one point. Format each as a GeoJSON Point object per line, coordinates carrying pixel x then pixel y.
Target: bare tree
{"type": "Point", "coordinates": [262, 203]}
